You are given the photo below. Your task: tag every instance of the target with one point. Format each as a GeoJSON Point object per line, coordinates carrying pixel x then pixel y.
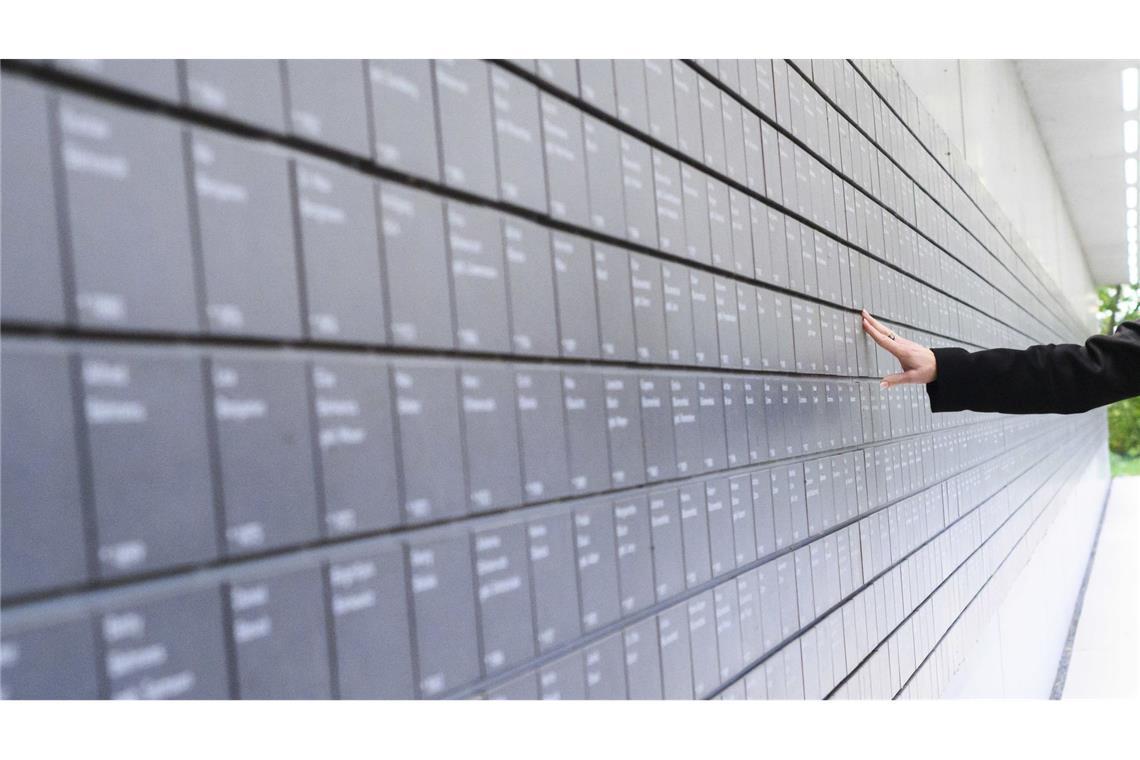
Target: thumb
{"type": "Point", "coordinates": [899, 378]}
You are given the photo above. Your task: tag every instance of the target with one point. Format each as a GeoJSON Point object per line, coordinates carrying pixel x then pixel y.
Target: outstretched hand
{"type": "Point", "coordinates": [917, 361]}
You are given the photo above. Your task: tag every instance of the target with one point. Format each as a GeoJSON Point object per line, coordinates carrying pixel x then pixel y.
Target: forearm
{"type": "Point", "coordinates": [996, 380]}
{"type": "Point", "coordinates": [1060, 379]}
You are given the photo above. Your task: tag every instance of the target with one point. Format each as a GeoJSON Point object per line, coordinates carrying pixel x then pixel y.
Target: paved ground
{"type": "Point", "coordinates": [1105, 660]}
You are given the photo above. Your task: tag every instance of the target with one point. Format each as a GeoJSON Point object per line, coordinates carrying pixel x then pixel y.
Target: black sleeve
{"type": "Point", "coordinates": [1064, 379]}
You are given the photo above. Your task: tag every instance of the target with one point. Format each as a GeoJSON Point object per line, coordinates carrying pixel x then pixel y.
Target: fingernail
{"type": "Point", "coordinates": [883, 384]}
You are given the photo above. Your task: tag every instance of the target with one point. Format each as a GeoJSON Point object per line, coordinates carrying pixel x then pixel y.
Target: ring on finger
{"type": "Point", "coordinates": [891, 335]}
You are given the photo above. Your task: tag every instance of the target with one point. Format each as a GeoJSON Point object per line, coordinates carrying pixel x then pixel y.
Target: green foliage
{"type": "Point", "coordinates": [1124, 427]}
{"type": "Point", "coordinates": [1118, 303]}
{"type": "Point", "coordinates": [1121, 303]}
{"type": "Point", "coordinates": [1124, 466]}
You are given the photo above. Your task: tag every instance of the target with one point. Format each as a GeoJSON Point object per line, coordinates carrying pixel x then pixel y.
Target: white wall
{"type": "Point", "coordinates": [982, 107]}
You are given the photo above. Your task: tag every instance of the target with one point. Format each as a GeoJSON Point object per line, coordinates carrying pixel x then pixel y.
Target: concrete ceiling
{"type": "Point", "coordinates": [1077, 106]}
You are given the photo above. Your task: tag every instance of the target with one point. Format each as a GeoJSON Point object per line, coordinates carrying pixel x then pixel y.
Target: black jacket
{"type": "Point", "coordinates": [1062, 379]}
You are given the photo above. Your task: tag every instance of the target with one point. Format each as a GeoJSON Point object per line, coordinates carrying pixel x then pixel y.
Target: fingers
{"type": "Point", "coordinates": [871, 326]}
{"type": "Point", "coordinates": [878, 336]}
{"type": "Point", "coordinates": [875, 323]}
{"type": "Point", "coordinates": [881, 337]}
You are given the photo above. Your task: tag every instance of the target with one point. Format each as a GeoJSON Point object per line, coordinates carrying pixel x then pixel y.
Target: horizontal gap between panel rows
{"type": "Point", "coordinates": [402, 532]}
{"type": "Point", "coordinates": [373, 349]}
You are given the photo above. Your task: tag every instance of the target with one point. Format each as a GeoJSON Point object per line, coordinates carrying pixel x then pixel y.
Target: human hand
{"type": "Point", "coordinates": [917, 361]}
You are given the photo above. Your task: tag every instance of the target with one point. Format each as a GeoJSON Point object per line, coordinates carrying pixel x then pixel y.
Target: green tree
{"type": "Point", "coordinates": [1124, 427]}
{"type": "Point", "coordinates": [1121, 303]}
{"type": "Point", "coordinates": [1118, 303]}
